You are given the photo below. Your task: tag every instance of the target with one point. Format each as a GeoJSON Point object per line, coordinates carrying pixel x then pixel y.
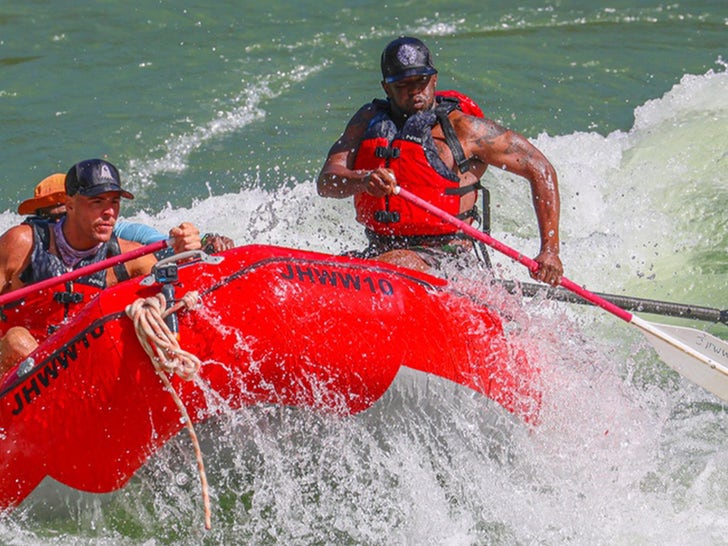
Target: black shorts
{"type": "Point", "coordinates": [434, 250]}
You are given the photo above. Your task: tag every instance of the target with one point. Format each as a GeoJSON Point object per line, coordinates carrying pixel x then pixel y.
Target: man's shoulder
{"type": "Point", "coordinates": [371, 108]}
{"type": "Point", "coordinates": [16, 245]}
{"type": "Point", "coordinates": [466, 123]}
{"type": "Point", "coordinates": [20, 234]}
{"type": "Point", "coordinates": [360, 120]}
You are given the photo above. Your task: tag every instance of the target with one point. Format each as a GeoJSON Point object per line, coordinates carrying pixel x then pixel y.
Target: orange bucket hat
{"type": "Point", "coordinates": [51, 191]}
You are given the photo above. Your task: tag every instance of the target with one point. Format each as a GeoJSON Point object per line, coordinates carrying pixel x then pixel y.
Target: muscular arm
{"type": "Point", "coordinates": [137, 267]}
{"type": "Point", "coordinates": [338, 178]}
{"type": "Point", "coordinates": [184, 237]}
{"type": "Point", "coordinates": [508, 150]}
{"type": "Point", "coordinates": [141, 233]}
{"type": "Point", "coordinates": [16, 245]}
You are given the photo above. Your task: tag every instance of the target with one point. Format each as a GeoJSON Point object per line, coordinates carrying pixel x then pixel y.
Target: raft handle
{"type": "Point", "coordinates": [190, 256]}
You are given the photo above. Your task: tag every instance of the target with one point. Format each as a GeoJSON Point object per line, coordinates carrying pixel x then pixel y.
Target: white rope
{"type": "Point", "coordinates": [162, 347]}
{"type": "Point", "coordinates": [157, 340]}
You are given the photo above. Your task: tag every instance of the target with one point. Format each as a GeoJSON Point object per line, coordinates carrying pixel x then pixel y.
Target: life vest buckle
{"type": "Point", "coordinates": [384, 152]}
{"type": "Point", "coordinates": [386, 216]}
{"type": "Point", "coordinates": [66, 298]}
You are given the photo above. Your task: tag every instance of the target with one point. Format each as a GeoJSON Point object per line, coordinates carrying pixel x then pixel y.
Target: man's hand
{"type": "Point", "coordinates": [380, 182]}
{"type": "Point", "coordinates": [185, 237]}
{"type": "Point", "coordinates": [550, 270]}
{"type": "Point", "coordinates": [213, 242]}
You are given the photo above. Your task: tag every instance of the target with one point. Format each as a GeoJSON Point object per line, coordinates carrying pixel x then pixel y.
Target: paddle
{"type": "Point", "coordinates": [698, 356]}
{"type": "Point", "coordinates": [655, 307]}
{"type": "Point", "coordinates": [83, 271]}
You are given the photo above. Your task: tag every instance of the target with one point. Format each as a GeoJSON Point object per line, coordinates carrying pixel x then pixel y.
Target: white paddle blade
{"type": "Point", "coordinates": [699, 356]}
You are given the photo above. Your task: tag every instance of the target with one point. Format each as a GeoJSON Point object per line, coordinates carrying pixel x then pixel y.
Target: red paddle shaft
{"type": "Point", "coordinates": [83, 271]}
{"type": "Point", "coordinates": [511, 253]}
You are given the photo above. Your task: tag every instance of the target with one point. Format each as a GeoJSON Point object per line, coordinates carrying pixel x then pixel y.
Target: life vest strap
{"type": "Point", "coordinates": [452, 141]}
{"type": "Point", "coordinates": [68, 297]}
{"type": "Point", "coordinates": [472, 213]}
{"type": "Point", "coordinates": [120, 270]}
{"type": "Point", "coordinates": [462, 190]}
{"type": "Point", "coordinates": [392, 242]}
{"type": "Point", "coordinates": [383, 152]}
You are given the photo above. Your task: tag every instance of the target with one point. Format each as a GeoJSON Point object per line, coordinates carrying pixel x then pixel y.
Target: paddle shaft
{"type": "Point", "coordinates": [696, 351]}
{"type": "Point", "coordinates": [655, 307]}
{"type": "Point", "coordinates": [530, 263]}
{"type": "Point", "coordinates": [83, 271]}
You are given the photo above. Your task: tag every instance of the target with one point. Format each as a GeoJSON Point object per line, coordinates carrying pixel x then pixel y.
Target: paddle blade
{"type": "Point", "coordinates": [699, 356]}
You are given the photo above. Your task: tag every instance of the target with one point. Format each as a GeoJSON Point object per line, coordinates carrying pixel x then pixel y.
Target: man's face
{"type": "Point", "coordinates": [94, 217]}
{"type": "Point", "coordinates": [51, 213]}
{"type": "Point", "coordinates": [413, 94]}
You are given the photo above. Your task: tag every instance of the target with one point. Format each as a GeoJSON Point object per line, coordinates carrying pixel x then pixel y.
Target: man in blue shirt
{"type": "Point", "coordinates": [48, 202]}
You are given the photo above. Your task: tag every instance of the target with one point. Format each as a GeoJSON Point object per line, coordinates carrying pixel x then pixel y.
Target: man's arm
{"type": "Point", "coordinates": [16, 245]}
{"type": "Point", "coordinates": [338, 178]}
{"type": "Point", "coordinates": [184, 237]}
{"type": "Point", "coordinates": [495, 145]}
{"type": "Point", "coordinates": [141, 233]}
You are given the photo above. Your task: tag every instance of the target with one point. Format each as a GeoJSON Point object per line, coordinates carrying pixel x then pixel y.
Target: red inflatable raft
{"type": "Point", "coordinates": [272, 325]}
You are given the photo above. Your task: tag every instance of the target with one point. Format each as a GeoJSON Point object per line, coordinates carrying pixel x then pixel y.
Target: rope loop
{"type": "Point", "coordinates": [157, 340]}
{"type": "Point", "coordinates": [162, 347]}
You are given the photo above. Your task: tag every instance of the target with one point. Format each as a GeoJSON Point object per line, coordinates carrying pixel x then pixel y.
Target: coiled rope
{"type": "Point", "coordinates": [162, 347]}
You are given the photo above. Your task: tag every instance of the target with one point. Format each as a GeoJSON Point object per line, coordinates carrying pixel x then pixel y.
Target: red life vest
{"type": "Point", "coordinates": [411, 154]}
{"type": "Point", "coordinates": [466, 104]}
{"type": "Point", "coordinates": [42, 312]}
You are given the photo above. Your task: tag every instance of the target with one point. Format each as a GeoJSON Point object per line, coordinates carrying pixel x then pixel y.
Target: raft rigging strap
{"type": "Point", "coordinates": [163, 349]}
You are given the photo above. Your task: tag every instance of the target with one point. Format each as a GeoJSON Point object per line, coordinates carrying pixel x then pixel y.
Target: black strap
{"type": "Point", "coordinates": [472, 213]}
{"type": "Point", "coordinates": [452, 141]}
{"type": "Point", "coordinates": [384, 152]}
{"type": "Point", "coordinates": [464, 165]}
{"type": "Point", "coordinates": [462, 190]}
{"type": "Point", "coordinates": [486, 210]}
{"type": "Point", "coordinates": [120, 270]}
{"type": "Point", "coordinates": [383, 243]}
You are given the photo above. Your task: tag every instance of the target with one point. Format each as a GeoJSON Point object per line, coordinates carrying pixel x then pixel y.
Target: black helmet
{"type": "Point", "coordinates": [405, 57]}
